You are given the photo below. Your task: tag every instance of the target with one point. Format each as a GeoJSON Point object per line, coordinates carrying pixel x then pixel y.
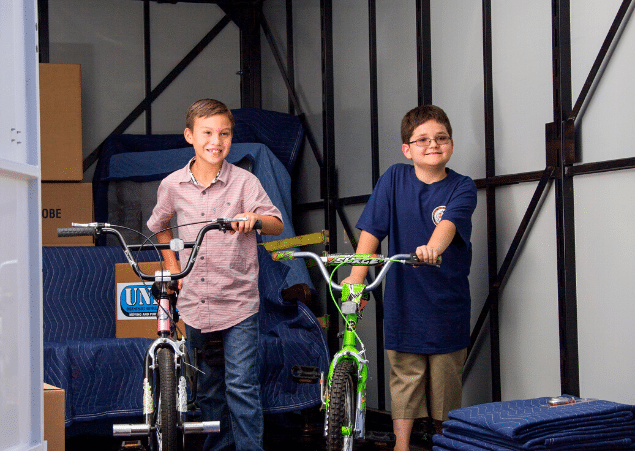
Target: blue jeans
{"type": "Point", "coordinates": [229, 391]}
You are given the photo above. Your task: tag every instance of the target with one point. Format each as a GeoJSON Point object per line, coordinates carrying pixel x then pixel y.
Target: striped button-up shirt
{"type": "Point", "coordinates": [222, 289]}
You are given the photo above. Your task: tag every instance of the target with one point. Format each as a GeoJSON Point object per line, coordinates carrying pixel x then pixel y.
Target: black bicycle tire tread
{"type": "Point", "coordinates": [167, 387]}
{"type": "Point", "coordinates": [343, 372]}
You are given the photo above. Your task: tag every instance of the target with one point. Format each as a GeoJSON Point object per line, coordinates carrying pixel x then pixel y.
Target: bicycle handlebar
{"type": "Point", "coordinates": [95, 229]}
{"type": "Point", "coordinates": [354, 260]}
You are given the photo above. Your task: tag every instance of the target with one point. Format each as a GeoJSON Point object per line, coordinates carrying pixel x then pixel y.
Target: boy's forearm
{"type": "Point", "coordinates": [169, 256]}
{"type": "Point", "coordinates": [271, 225]}
{"type": "Point", "coordinates": [442, 236]}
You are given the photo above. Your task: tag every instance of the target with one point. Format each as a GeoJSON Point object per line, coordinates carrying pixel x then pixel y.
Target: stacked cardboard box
{"type": "Point", "coordinates": [54, 431]}
{"type": "Point", "coordinates": [65, 198]}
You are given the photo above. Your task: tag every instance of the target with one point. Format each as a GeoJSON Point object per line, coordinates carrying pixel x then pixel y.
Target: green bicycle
{"type": "Point", "coordinates": [344, 391]}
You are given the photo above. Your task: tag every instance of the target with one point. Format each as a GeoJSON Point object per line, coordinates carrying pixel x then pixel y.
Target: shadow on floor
{"type": "Point", "coordinates": [291, 431]}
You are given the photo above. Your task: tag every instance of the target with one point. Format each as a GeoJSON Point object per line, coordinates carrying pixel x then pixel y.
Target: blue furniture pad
{"type": "Point", "coordinates": [102, 375]}
{"type": "Point", "coordinates": [532, 425]}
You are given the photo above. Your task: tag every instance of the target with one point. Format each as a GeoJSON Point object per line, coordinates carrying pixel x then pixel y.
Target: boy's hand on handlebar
{"type": "Point", "coordinates": [179, 284]}
{"type": "Point", "coordinates": [244, 226]}
{"type": "Point", "coordinates": [352, 280]}
{"type": "Point", "coordinates": [427, 254]}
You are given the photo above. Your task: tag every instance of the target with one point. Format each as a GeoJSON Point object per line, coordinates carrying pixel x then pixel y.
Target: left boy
{"type": "Point", "coordinates": [219, 298]}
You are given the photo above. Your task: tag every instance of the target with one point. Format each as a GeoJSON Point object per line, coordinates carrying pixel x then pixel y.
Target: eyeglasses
{"type": "Point", "coordinates": [425, 142]}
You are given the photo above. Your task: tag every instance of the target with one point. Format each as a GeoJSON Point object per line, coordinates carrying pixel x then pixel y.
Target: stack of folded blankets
{"type": "Point", "coordinates": [533, 424]}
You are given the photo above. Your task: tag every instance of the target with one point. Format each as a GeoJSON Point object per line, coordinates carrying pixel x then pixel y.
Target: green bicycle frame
{"type": "Point", "coordinates": [349, 352]}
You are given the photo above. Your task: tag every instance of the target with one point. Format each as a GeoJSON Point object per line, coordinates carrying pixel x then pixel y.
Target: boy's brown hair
{"type": "Point", "coordinates": [420, 115]}
{"type": "Point", "coordinates": [207, 108]}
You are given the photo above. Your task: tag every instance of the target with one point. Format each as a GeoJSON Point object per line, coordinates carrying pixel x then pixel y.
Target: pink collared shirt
{"type": "Point", "coordinates": [222, 289]}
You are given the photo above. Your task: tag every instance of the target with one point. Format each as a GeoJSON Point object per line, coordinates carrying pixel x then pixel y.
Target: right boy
{"type": "Point", "coordinates": [424, 208]}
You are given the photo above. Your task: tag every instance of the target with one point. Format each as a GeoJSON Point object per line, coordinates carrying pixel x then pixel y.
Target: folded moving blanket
{"type": "Point", "coordinates": [532, 425]}
{"type": "Point", "coordinates": [445, 442]}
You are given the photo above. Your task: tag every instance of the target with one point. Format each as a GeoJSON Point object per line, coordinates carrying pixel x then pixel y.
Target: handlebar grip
{"type": "Point", "coordinates": [282, 255]}
{"type": "Point", "coordinates": [258, 224]}
{"type": "Point", "coordinates": [414, 260]}
{"type": "Point", "coordinates": [75, 231]}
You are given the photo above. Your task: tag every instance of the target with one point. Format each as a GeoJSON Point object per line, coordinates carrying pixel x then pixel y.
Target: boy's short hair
{"type": "Point", "coordinates": [420, 115]}
{"type": "Point", "coordinates": [207, 108]}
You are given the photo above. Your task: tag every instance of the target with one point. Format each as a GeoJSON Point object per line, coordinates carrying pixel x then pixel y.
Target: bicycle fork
{"type": "Point", "coordinates": [349, 353]}
{"type": "Point", "coordinates": [150, 416]}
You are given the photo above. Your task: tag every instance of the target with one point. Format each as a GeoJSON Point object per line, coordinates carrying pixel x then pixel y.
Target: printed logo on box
{"type": "Point", "coordinates": [135, 301]}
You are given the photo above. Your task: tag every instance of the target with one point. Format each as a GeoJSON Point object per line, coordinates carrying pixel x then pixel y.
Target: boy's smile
{"type": "Point", "coordinates": [211, 137]}
{"type": "Point", "coordinates": [435, 156]}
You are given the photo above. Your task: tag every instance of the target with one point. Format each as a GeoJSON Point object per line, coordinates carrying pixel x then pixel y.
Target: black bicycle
{"type": "Point", "coordinates": [169, 376]}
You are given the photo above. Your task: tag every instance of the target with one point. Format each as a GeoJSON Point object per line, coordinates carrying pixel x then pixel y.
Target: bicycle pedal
{"type": "Point", "coordinates": [383, 437]}
{"type": "Point", "coordinates": [131, 445]}
{"type": "Point", "coordinates": [305, 374]}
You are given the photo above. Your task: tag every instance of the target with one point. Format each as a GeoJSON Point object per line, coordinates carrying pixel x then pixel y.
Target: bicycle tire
{"type": "Point", "coordinates": [341, 411]}
{"type": "Point", "coordinates": [166, 435]}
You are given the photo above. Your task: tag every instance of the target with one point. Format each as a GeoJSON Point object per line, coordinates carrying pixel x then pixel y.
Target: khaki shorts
{"type": "Point", "coordinates": [425, 385]}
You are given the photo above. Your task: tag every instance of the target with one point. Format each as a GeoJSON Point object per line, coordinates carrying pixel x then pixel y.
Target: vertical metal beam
{"type": "Point", "coordinates": [490, 171]}
{"type": "Point", "coordinates": [424, 53]}
{"type": "Point", "coordinates": [290, 59]}
{"type": "Point", "coordinates": [563, 129]}
{"type": "Point", "coordinates": [374, 144]}
{"type": "Point", "coordinates": [328, 173]}
{"type": "Point", "coordinates": [147, 56]}
{"type": "Point", "coordinates": [43, 30]}
{"type": "Point", "coordinates": [248, 17]}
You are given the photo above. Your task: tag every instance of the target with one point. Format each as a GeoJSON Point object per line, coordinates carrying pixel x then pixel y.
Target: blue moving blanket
{"type": "Point", "coordinates": [532, 425]}
{"type": "Point", "coordinates": [102, 375]}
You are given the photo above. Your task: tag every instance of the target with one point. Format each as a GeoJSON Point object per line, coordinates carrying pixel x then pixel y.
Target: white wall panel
{"type": "Point", "coordinates": [106, 39]}
{"type": "Point", "coordinates": [611, 110]}
{"type": "Point", "coordinates": [175, 30]}
{"type": "Point", "coordinates": [457, 79]}
{"type": "Point", "coordinates": [530, 353]}
{"type": "Point", "coordinates": [397, 75]}
{"type": "Point", "coordinates": [605, 260]}
{"type": "Point", "coordinates": [521, 59]}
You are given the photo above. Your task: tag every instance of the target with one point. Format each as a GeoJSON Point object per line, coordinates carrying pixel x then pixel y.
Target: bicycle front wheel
{"type": "Point", "coordinates": [341, 413]}
{"type": "Point", "coordinates": [166, 428]}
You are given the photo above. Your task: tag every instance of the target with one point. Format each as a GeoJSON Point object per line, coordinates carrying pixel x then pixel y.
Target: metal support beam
{"type": "Point", "coordinates": [374, 146]}
{"type": "Point", "coordinates": [328, 170]}
{"type": "Point", "coordinates": [290, 56]}
{"type": "Point", "coordinates": [424, 53]}
{"type": "Point", "coordinates": [565, 220]}
{"type": "Point", "coordinates": [147, 58]}
{"type": "Point", "coordinates": [490, 171]}
{"type": "Point", "coordinates": [43, 30]}
{"type": "Point", "coordinates": [248, 17]}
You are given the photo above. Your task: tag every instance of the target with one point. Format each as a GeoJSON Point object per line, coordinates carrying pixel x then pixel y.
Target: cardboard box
{"type": "Point", "coordinates": [135, 307]}
{"type": "Point", "coordinates": [54, 431]}
{"type": "Point", "coordinates": [63, 204]}
{"type": "Point", "coordinates": [61, 122]}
